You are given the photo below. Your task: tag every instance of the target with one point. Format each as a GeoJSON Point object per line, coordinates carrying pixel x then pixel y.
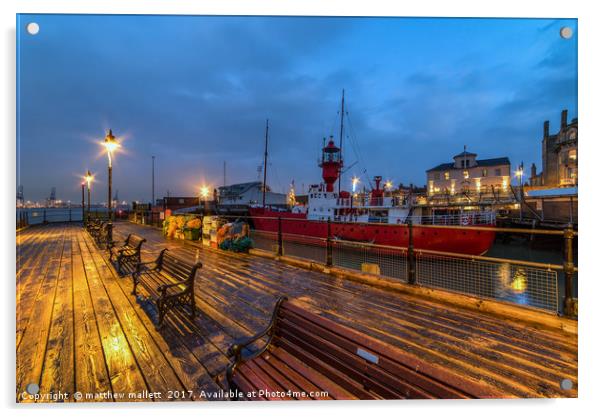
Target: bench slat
{"type": "Point", "coordinates": [344, 350]}
{"type": "Point", "coordinates": [286, 377]}
{"type": "Point", "coordinates": [289, 354]}
{"type": "Point", "coordinates": [355, 368]}
{"type": "Point", "coordinates": [396, 355]}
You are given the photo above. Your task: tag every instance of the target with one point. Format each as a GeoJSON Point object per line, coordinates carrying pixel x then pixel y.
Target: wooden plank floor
{"type": "Point", "coordinates": [80, 329]}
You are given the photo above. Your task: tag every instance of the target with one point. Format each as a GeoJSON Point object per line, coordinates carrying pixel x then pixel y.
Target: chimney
{"type": "Point", "coordinates": [533, 170]}
{"type": "Point", "coordinates": [546, 129]}
{"type": "Point", "coordinates": [563, 119]}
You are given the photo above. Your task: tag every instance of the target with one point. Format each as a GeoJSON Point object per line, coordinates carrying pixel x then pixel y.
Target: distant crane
{"type": "Point", "coordinates": [52, 198]}
{"type": "Point", "coordinates": [20, 199]}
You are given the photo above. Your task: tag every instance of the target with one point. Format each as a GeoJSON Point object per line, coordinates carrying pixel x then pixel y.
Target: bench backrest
{"type": "Point", "coordinates": [361, 363]}
{"type": "Point", "coordinates": [178, 268]}
{"type": "Point", "coordinates": [134, 241]}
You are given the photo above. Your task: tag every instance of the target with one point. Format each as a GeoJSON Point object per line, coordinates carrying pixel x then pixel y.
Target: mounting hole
{"type": "Point", "coordinates": [566, 384]}
{"type": "Point", "coordinates": [566, 32]}
{"type": "Point", "coordinates": [32, 388]}
{"type": "Point", "coordinates": [33, 28]}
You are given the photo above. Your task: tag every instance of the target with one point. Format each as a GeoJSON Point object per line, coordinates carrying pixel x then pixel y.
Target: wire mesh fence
{"type": "Point", "coordinates": [380, 260]}
{"type": "Point", "coordinates": [267, 241]}
{"type": "Point", "coordinates": [306, 247]}
{"type": "Point", "coordinates": [514, 282]}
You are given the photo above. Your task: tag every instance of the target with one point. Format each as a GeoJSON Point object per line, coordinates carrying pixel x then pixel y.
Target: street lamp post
{"type": "Point", "coordinates": [519, 174]}
{"type": "Point", "coordinates": [83, 206]}
{"type": "Point", "coordinates": [204, 195]}
{"type": "Point", "coordinates": [89, 179]}
{"type": "Point", "coordinates": [110, 144]}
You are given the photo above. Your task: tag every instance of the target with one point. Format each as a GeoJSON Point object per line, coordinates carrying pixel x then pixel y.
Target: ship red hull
{"type": "Point", "coordinates": [470, 241]}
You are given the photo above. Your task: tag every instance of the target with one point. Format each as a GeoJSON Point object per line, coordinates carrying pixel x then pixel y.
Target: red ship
{"type": "Point", "coordinates": [374, 218]}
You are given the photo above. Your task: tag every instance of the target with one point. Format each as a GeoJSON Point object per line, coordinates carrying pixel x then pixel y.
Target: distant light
{"type": "Point", "coordinates": [354, 182]}
{"type": "Point", "coordinates": [204, 191]}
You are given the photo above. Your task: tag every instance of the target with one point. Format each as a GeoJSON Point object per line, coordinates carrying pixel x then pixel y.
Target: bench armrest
{"type": "Point", "coordinates": [141, 266]}
{"type": "Point", "coordinates": [236, 348]}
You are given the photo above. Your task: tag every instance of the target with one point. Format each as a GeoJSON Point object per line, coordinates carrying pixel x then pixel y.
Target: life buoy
{"type": "Point", "coordinates": [465, 220]}
{"type": "Point", "coordinates": [398, 221]}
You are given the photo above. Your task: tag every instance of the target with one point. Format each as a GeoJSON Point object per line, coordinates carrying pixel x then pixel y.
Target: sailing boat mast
{"type": "Point", "coordinates": [265, 160]}
{"type": "Point", "coordinates": [341, 140]}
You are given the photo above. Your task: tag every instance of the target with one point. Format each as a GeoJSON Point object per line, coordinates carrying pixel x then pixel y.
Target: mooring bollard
{"type": "Point", "coordinates": [328, 245]}
{"type": "Point", "coordinates": [411, 255]}
{"type": "Point", "coordinates": [279, 236]}
{"type": "Point", "coordinates": [569, 271]}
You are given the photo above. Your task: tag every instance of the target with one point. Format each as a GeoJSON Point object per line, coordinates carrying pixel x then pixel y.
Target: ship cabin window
{"type": "Point", "coordinates": [446, 175]}
{"type": "Point", "coordinates": [484, 173]}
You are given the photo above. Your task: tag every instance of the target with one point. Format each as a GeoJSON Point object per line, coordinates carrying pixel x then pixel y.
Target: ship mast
{"type": "Point", "coordinates": [265, 160]}
{"type": "Point", "coordinates": [341, 140]}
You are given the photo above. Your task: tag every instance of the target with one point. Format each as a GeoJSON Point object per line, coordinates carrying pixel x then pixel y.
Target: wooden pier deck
{"type": "Point", "coordinates": [80, 330]}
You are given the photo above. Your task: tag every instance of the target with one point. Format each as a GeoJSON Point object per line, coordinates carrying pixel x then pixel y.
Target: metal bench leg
{"type": "Point", "coordinates": [135, 281]}
{"type": "Point", "coordinates": [192, 306]}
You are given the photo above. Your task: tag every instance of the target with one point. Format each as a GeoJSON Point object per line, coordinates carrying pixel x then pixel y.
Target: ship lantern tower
{"type": "Point", "coordinates": [331, 164]}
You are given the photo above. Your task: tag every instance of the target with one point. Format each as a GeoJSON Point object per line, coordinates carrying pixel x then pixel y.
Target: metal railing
{"type": "Point", "coordinates": [533, 284]}
{"type": "Point", "coordinates": [27, 217]}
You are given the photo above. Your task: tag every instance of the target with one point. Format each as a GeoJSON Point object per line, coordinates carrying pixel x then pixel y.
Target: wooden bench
{"type": "Point", "coordinates": [128, 254]}
{"type": "Point", "coordinates": [101, 235]}
{"type": "Point", "coordinates": [305, 353]}
{"type": "Point", "coordinates": [169, 282]}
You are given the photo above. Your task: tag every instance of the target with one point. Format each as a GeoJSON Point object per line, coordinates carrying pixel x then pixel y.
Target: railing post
{"type": "Point", "coordinates": [45, 217]}
{"type": "Point", "coordinates": [328, 244]}
{"type": "Point", "coordinates": [69, 214]}
{"type": "Point", "coordinates": [279, 236]}
{"type": "Point", "coordinates": [569, 309]}
{"type": "Point", "coordinates": [411, 256]}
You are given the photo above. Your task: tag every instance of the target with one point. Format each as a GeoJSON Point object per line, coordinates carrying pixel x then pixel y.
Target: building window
{"type": "Point", "coordinates": [446, 175]}
{"type": "Point", "coordinates": [466, 175]}
{"type": "Point", "coordinates": [498, 172]}
{"type": "Point", "coordinates": [484, 173]}
{"type": "Point", "coordinates": [573, 154]}
{"type": "Point", "coordinates": [463, 163]}
{"type": "Point", "coordinates": [437, 176]}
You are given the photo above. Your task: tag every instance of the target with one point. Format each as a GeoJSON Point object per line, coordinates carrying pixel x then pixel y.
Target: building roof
{"type": "Point", "coordinates": [493, 161]}
{"type": "Point", "coordinates": [480, 163]}
{"type": "Point", "coordinates": [553, 192]}
{"type": "Point", "coordinates": [239, 188]}
{"type": "Point", "coordinates": [465, 154]}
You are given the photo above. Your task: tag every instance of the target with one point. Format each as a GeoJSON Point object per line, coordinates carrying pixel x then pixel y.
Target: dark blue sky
{"type": "Point", "coordinates": [196, 91]}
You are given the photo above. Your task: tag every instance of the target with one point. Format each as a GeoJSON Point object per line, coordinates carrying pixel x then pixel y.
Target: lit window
{"type": "Point", "coordinates": [466, 175]}
{"type": "Point", "coordinates": [437, 176]}
{"type": "Point", "coordinates": [484, 173]}
{"type": "Point", "coordinates": [446, 175]}
{"type": "Point", "coordinates": [573, 154]}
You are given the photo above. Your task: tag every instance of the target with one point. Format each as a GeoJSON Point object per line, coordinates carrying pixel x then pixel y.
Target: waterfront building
{"type": "Point", "coordinates": [249, 193]}
{"type": "Point", "coordinates": [469, 175]}
{"type": "Point", "coordinates": [558, 155]}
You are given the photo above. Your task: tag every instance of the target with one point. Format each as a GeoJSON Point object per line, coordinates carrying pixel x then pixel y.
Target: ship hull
{"type": "Point", "coordinates": [456, 240]}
